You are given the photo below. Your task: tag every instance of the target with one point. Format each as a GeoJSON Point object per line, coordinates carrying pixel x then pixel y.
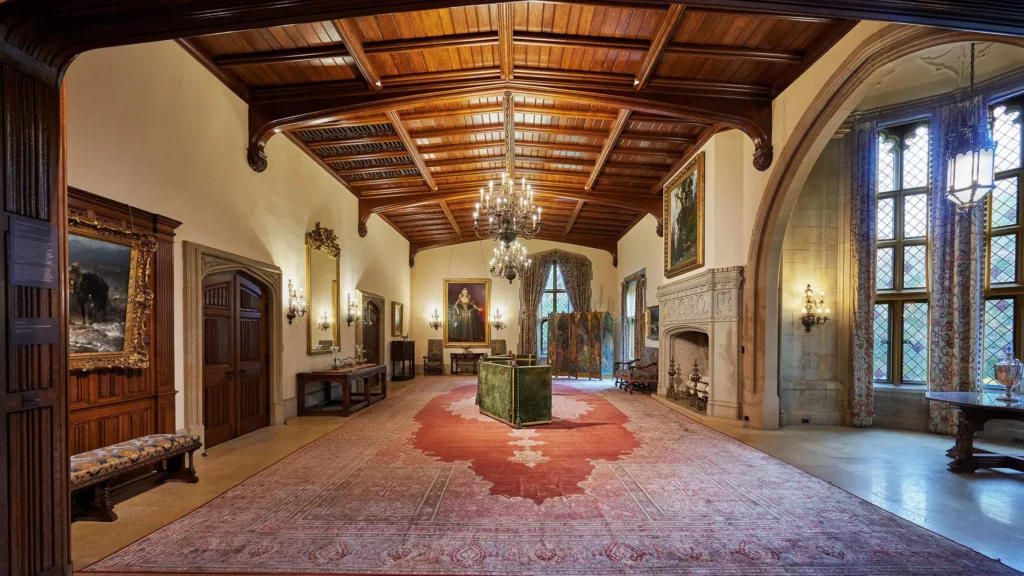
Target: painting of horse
{"type": "Point", "coordinates": [98, 278]}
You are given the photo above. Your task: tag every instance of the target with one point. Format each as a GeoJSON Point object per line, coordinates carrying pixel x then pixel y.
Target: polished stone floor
{"type": "Point", "coordinates": [902, 472]}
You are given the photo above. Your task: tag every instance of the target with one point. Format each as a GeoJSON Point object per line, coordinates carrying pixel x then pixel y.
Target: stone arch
{"type": "Point", "coordinates": [199, 262]}
{"type": "Point", "coordinates": [816, 126]}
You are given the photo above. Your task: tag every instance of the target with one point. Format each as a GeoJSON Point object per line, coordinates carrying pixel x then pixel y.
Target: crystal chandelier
{"type": "Point", "coordinates": [510, 212]}
{"type": "Point", "coordinates": [509, 261]}
{"type": "Point", "coordinates": [971, 154]}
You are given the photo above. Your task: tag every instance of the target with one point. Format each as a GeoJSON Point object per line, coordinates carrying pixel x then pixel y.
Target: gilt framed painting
{"type": "Point", "coordinates": [652, 321]}
{"type": "Point", "coordinates": [466, 309]}
{"type": "Point", "coordinates": [109, 294]}
{"type": "Point", "coordinates": [683, 219]}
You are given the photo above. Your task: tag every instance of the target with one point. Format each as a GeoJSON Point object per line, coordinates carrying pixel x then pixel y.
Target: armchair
{"type": "Point", "coordinates": [433, 362]}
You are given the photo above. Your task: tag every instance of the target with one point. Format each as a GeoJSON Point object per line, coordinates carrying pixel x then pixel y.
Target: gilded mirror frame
{"type": "Point", "coordinates": [322, 240]}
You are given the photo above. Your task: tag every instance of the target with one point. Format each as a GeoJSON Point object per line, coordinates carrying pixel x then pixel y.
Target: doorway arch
{"type": "Point", "coordinates": [199, 262]}
{"type": "Point", "coordinates": [823, 116]}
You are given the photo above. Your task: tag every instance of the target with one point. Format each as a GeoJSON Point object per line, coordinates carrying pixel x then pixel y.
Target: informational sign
{"type": "Point", "coordinates": [32, 253]}
{"type": "Point", "coordinates": [33, 331]}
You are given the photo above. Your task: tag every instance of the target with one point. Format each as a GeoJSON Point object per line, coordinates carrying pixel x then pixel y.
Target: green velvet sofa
{"type": "Point", "coordinates": [516, 395]}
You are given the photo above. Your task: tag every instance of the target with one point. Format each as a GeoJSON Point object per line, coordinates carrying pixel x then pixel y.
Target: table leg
{"type": "Point", "coordinates": [346, 396]}
{"type": "Point", "coordinates": [964, 448]}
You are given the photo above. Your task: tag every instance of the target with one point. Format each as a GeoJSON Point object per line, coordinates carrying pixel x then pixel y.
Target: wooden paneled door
{"type": "Point", "coordinates": [371, 333]}
{"type": "Point", "coordinates": [236, 398]}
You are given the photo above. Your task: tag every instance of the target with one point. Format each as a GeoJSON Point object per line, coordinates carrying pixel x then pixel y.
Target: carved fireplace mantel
{"type": "Point", "coordinates": [709, 302]}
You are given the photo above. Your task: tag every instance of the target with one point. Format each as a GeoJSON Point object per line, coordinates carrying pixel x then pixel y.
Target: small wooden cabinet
{"type": "Point", "coordinates": [404, 353]}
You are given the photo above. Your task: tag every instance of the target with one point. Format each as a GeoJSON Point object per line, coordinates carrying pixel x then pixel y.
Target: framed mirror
{"type": "Point", "coordinates": [397, 319]}
{"type": "Point", "coordinates": [323, 272]}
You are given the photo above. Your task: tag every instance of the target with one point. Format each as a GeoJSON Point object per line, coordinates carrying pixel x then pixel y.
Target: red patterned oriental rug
{"type": "Point", "coordinates": [422, 484]}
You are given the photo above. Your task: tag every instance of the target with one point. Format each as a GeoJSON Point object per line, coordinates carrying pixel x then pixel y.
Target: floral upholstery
{"type": "Point", "coordinates": [641, 372]}
{"type": "Point", "coordinates": [433, 362]}
{"type": "Point", "coordinates": [91, 466]}
{"type": "Point", "coordinates": [499, 348]}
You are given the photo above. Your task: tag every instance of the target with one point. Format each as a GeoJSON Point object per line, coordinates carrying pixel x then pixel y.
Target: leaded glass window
{"type": "Point", "coordinates": [901, 260]}
{"type": "Point", "coordinates": [554, 300]}
{"type": "Point", "coordinates": [1004, 286]}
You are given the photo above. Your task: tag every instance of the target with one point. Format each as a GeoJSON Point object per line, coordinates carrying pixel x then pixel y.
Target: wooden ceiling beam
{"type": "Point", "coordinates": [520, 109]}
{"type": "Point", "coordinates": [505, 47]}
{"type": "Point", "coordinates": [458, 131]}
{"type": "Point", "coordinates": [451, 219]}
{"type": "Point", "coordinates": [374, 169]}
{"type": "Point", "coordinates": [572, 219]}
{"type": "Point", "coordinates": [350, 37]}
{"type": "Point", "coordinates": [720, 88]}
{"type": "Point", "coordinates": [683, 160]}
{"type": "Point", "coordinates": [431, 42]}
{"type": "Point", "coordinates": [559, 147]}
{"type": "Point", "coordinates": [456, 113]}
{"type": "Point", "coordinates": [657, 137]}
{"type": "Point", "coordinates": [658, 42]}
{"type": "Point", "coordinates": [574, 76]}
{"type": "Point", "coordinates": [659, 119]}
{"type": "Point", "coordinates": [375, 139]}
{"type": "Point", "coordinates": [488, 73]}
{"type": "Point", "coordinates": [461, 147]}
{"type": "Point", "coordinates": [735, 53]}
{"type": "Point", "coordinates": [648, 152]}
{"type": "Point", "coordinates": [578, 41]}
{"type": "Point", "coordinates": [410, 146]}
{"type": "Point", "coordinates": [610, 143]}
{"type": "Point", "coordinates": [383, 181]}
{"type": "Point", "coordinates": [368, 156]}
{"type": "Point", "coordinates": [282, 56]}
{"type": "Point", "coordinates": [460, 161]}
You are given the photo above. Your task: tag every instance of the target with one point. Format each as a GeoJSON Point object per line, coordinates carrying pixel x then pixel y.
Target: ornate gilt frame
{"type": "Point", "coordinates": [324, 240]}
{"type": "Point", "coordinates": [697, 164]}
{"type": "Point", "coordinates": [487, 325]}
{"type": "Point", "coordinates": [135, 354]}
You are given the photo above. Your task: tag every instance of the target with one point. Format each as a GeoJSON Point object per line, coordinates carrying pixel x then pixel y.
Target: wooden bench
{"type": "Point", "coordinates": [638, 373]}
{"type": "Point", "coordinates": [108, 475]}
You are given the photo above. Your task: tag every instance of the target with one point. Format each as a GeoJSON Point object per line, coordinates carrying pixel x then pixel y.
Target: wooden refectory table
{"type": "Point", "coordinates": [973, 411]}
{"type": "Point", "coordinates": [361, 385]}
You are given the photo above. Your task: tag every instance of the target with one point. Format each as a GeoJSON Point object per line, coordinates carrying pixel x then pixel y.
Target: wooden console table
{"type": "Point", "coordinates": [974, 410]}
{"type": "Point", "coordinates": [361, 386]}
{"type": "Point", "coordinates": [459, 358]}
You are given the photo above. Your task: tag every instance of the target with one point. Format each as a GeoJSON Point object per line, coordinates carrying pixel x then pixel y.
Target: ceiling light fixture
{"type": "Point", "coordinates": [509, 261]}
{"type": "Point", "coordinates": [971, 154]}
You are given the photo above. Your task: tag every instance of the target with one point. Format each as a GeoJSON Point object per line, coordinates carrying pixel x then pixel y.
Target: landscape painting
{"type": "Point", "coordinates": [683, 216]}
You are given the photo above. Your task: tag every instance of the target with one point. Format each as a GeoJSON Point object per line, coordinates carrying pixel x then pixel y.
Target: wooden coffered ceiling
{"type": "Point", "coordinates": [609, 99]}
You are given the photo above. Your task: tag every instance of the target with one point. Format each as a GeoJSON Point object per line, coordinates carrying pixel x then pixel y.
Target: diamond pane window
{"type": "Point", "coordinates": [1006, 133]}
{"type": "Point", "coordinates": [915, 341]}
{"type": "Point", "coordinates": [542, 345]}
{"type": "Point", "coordinates": [881, 336]}
{"type": "Point", "coordinates": [547, 305]}
{"type": "Point", "coordinates": [549, 284]}
{"type": "Point", "coordinates": [915, 216]}
{"type": "Point", "coordinates": [1003, 255]}
{"type": "Point", "coordinates": [914, 266]}
{"type": "Point", "coordinates": [998, 332]}
{"type": "Point", "coordinates": [884, 266]}
{"type": "Point", "coordinates": [915, 158]}
{"type": "Point", "coordinates": [1004, 203]}
{"type": "Point", "coordinates": [561, 279]}
{"type": "Point", "coordinates": [562, 303]}
{"type": "Point", "coordinates": [886, 163]}
{"type": "Point", "coordinates": [886, 218]}
{"type": "Point", "coordinates": [554, 300]}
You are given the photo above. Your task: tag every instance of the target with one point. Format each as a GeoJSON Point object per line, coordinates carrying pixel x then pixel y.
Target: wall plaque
{"type": "Point", "coordinates": [32, 257]}
{"type": "Point", "coordinates": [33, 331]}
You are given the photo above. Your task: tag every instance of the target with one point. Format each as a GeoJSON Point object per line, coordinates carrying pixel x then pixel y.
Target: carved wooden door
{"type": "Point", "coordinates": [371, 333]}
{"type": "Point", "coordinates": [235, 398]}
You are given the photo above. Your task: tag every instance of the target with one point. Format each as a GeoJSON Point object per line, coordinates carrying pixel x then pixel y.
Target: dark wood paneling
{"type": "Point", "coordinates": [131, 400]}
{"type": "Point", "coordinates": [34, 393]}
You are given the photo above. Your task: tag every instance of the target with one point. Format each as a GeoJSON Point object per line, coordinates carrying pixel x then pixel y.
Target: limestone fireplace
{"type": "Point", "coordinates": [700, 320]}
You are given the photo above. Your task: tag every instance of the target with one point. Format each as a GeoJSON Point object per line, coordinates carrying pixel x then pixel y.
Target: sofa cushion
{"type": "Point", "coordinates": [90, 466]}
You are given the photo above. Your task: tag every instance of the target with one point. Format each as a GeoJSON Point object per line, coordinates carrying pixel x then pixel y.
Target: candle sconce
{"type": "Point", "coordinates": [435, 320]}
{"type": "Point", "coordinates": [353, 310]}
{"type": "Point", "coordinates": [813, 313]}
{"type": "Point", "coordinates": [498, 323]}
{"type": "Point", "coordinates": [296, 303]}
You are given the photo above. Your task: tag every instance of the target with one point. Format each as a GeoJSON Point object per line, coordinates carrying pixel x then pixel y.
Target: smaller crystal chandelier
{"type": "Point", "coordinates": [509, 261]}
{"type": "Point", "coordinates": [498, 323]}
{"type": "Point", "coordinates": [971, 154]}
{"type": "Point", "coordinates": [510, 212]}
{"type": "Point", "coordinates": [435, 320]}
{"type": "Point", "coordinates": [296, 303]}
{"type": "Point", "coordinates": [812, 314]}
{"type": "Point", "coordinates": [325, 322]}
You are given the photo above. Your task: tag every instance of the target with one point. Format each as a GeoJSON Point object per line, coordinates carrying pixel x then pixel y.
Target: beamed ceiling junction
{"type": "Point", "coordinates": [608, 101]}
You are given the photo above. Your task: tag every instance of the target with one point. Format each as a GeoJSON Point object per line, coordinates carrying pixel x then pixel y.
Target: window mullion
{"type": "Point", "coordinates": [896, 341]}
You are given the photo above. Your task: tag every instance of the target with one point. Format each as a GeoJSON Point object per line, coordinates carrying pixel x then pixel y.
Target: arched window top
{"type": "Point", "coordinates": [915, 157]}
{"type": "Point", "coordinates": [887, 147]}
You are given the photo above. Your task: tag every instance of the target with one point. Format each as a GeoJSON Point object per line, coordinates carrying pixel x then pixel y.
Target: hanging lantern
{"type": "Point", "coordinates": [971, 155]}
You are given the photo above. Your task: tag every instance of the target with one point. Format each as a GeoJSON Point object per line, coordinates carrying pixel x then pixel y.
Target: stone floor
{"type": "Point", "coordinates": [903, 472]}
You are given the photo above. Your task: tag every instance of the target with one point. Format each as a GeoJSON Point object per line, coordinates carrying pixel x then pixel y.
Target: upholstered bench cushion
{"type": "Point", "coordinates": [90, 466]}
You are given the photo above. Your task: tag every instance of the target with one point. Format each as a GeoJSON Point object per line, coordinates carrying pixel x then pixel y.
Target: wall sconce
{"type": "Point", "coordinates": [812, 314]}
{"type": "Point", "coordinates": [498, 323]}
{"type": "Point", "coordinates": [296, 303]}
{"type": "Point", "coordinates": [435, 320]}
{"type": "Point", "coordinates": [353, 310]}
{"type": "Point", "coordinates": [325, 322]}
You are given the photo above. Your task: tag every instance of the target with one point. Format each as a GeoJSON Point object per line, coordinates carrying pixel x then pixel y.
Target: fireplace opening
{"type": "Point", "coordinates": [689, 382]}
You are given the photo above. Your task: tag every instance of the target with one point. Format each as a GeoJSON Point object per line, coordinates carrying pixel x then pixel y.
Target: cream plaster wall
{"type": "Point", "coordinates": [149, 126]}
{"type": "Point", "coordinates": [471, 260]}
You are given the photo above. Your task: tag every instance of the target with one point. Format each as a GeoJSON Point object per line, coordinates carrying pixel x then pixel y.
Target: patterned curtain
{"type": "Point", "coordinates": [955, 299]}
{"type": "Point", "coordinates": [640, 332]}
{"type": "Point", "coordinates": [623, 299]}
{"type": "Point", "coordinates": [533, 287]}
{"type": "Point", "coordinates": [578, 273]}
{"type": "Point", "coordinates": [864, 170]}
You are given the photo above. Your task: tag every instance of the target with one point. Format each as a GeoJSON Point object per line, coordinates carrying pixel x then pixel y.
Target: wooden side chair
{"type": "Point", "coordinates": [433, 362]}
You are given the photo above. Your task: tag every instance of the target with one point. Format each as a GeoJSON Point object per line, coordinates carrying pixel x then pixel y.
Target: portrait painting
{"type": "Point", "coordinates": [652, 322]}
{"type": "Point", "coordinates": [467, 302]}
{"type": "Point", "coordinates": [109, 296]}
{"type": "Point", "coordinates": [683, 219]}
